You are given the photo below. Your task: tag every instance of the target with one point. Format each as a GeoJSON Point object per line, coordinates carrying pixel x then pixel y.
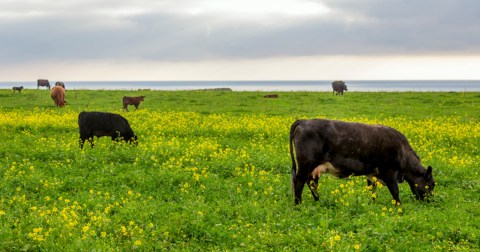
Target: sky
{"type": "Point", "coordinates": [95, 40]}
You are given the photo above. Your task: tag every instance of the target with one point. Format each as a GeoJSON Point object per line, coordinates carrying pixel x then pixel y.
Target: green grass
{"type": "Point", "coordinates": [212, 172]}
{"type": "Point", "coordinates": [309, 104]}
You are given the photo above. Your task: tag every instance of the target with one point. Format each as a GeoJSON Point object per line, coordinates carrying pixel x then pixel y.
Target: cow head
{"type": "Point", "coordinates": [422, 186]}
{"type": "Point", "coordinates": [345, 88]}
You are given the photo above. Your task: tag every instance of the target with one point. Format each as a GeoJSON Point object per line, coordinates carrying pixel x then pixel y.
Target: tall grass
{"type": "Point", "coordinates": [212, 172]}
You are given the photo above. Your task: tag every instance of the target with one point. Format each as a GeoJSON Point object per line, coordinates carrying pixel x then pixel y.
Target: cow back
{"type": "Point", "coordinates": [374, 145]}
{"type": "Point", "coordinates": [43, 82]}
{"type": "Point", "coordinates": [127, 100]}
{"type": "Point", "coordinates": [58, 95]}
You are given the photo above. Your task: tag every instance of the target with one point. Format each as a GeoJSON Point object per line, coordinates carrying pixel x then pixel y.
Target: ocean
{"type": "Point", "coordinates": [320, 85]}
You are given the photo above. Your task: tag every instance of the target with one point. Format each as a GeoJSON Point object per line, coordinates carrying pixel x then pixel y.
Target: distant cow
{"type": "Point", "coordinates": [338, 87]}
{"type": "Point", "coordinates": [58, 95]}
{"type": "Point", "coordinates": [352, 149]}
{"type": "Point", "coordinates": [271, 96]}
{"type": "Point", "coordinates": [61, 84]}
{"type": "Point", "coordinates": [19, 89]}
{"type": "Point", "coordinates": [43, 83]}
{"type": "Point", "coordinates": [135, 101]}
{"type": "Point", "coordinates": [104, 124]}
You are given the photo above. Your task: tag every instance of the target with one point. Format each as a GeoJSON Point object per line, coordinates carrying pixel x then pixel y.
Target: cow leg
{"type": "Point", "coordinates": [90, 140]}
{"type": "Point", "coordinates": [82, 141]}
{"type": "Point", "coordinates": [313, 186]}
{"type": "Point", "coordinates": [136, 107]}
{"type": "Point", "coordinates": [394, 191]}
{"type": "Point", "coordinates": [299, 179]}
{"type": "Point", "coordinates": [373, 187]}
{"type": "Point", "coordinates": [298, 182]}
{"type": "Point", "coordinates": [88, 137]}
{"type": "Point", "coordinates": [84, 136]}
{"type": "Point", "coordinates": [392, 185]}
{"type": "Point", "coordinates": [313, 178]}
{"type": "Point", "coordinates": [117, 137]}
{"type": "Point", "coordinates": [390, 179]}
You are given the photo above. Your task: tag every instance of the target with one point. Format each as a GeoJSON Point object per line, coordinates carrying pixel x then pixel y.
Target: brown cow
{"type": "Point", "coordinates": [135, 101]}
{"type": "Point", "coordinates": [58, 96]}
{"type": "Point", "coordinates": [43, 83]}
{"type": "Point", "coordinates": [271, 96]}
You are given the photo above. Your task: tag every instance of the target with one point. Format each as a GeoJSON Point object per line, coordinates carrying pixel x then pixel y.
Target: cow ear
{"type": "Point", "coordinates": [428, 173]}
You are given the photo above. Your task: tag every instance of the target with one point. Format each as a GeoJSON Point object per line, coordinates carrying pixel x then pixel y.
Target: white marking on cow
{"type": "Point", "coordinates": [295, 157]}
{"type": "Point", "coordinates": [326, 167]}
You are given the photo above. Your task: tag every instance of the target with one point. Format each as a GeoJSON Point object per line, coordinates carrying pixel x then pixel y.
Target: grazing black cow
{"type": "Point", "coordinates": [338, 87]}
{"type": "Point", "coordinates": [352, 149]}
{"type": "Point", "coordinates": [19, 89]}
{"type": "Point", "coordinates": [135, 101]}
{"type": "Point", "coordinates": [104, 124]}
{"type": "Point", "coordinates": [43, 83]}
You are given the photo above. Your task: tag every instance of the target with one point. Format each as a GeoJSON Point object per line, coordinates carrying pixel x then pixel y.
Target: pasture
{"type": "Point", "coordinates": [212, 172]}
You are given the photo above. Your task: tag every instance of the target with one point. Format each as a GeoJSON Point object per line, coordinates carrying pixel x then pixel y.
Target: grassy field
{"type": "Point", "coordinates": [212, 172]}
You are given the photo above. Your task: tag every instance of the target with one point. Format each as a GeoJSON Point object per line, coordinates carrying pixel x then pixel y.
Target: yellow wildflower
{"type": "Point", "coordinates": [337, 237]}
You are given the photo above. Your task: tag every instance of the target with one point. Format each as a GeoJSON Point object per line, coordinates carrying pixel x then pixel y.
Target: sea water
{"type": "Point", "coordinates": [312, 85]}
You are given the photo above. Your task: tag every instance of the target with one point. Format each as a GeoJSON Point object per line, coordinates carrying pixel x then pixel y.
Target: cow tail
{"type": "Point", "coordinates": [293, 152]}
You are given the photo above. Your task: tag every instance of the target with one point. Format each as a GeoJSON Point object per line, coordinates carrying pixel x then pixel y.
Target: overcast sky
{"type": "Point", "coordinates": [239, 39]}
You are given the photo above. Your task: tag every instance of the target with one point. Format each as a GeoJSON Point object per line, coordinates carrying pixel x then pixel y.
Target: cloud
{"type": "Point", "coordinates": [400, 26]}
{"type": "Point", "coordinates": [195, 30]}
{"type": "Point", "coordinates": [254, 9]}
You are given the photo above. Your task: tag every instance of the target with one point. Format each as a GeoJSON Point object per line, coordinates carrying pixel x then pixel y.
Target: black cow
{"type": "Point", "coordinates": [43, 83]}
{"type": "Point", "coordinates": [60, 83]}
{"type": "Point", "coordinates": [104, 124]}
{"type": "Point", "coordinates": [19, 89]}
{"type": "Point", "coordinates": [352, 149]}
{"type": "Point", "coordinates": [338, 87]}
